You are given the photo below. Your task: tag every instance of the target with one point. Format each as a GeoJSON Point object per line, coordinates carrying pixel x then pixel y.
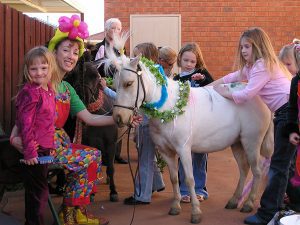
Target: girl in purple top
{"type": "Point", "coordinates": [267, 77]}
{"type": "Point", "coordinates": [35, 113]}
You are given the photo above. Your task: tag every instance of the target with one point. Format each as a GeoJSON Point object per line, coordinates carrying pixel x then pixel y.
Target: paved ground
{"type": "Point", "coordinates": [222, 178]}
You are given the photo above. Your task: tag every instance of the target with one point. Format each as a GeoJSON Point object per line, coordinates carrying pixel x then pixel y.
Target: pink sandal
{"type": "Point", "coordinates": [185, 199]}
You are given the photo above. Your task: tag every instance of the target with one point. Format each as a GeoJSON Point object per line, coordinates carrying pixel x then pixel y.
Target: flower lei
{"type": "Point", "coordinates": [170, 114]}
{"type": "Point", "coordinates": [161, 80]}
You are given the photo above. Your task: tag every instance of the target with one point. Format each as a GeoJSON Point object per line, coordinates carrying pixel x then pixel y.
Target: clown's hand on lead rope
{"type": "Point", "coordinates": [136, 120]}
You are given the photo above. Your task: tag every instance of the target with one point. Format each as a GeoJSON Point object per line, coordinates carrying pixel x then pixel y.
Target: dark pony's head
{"type": "Point", "coordinates": [85, 79]}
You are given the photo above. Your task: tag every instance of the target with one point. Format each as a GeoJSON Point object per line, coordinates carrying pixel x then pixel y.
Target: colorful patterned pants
{"type": "Point", "coordinates": [83, 165]}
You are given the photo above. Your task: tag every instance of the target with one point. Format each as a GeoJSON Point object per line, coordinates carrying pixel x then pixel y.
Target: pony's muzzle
{"type": "Point", "coordinates": [119, 121]}
{"type": "Point", "coordinates": [122, 121]}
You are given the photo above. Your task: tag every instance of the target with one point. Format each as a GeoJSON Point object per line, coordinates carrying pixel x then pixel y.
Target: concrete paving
{"type": "Point", "coordinates": [222, 178]}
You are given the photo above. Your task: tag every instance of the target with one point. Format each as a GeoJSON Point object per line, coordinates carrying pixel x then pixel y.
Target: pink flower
{"type": "Point", "coordinates": [74, 26]}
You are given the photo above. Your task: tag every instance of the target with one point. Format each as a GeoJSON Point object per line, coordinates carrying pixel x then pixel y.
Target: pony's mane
{"type": "Point", "coordinates": [112, 59]}
{"type": "Point", "coordinates": [120, 40]}
{"type": "Point", "coordinates": [147, 71]}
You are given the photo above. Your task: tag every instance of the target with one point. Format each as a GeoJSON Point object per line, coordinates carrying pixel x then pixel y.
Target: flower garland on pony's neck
{"type": "Point", "coordinates": [161, 80]}
{"type": "Point", "coordinates": [152, 109]}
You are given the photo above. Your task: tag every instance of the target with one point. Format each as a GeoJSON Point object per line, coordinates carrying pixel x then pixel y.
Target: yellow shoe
{"type": "Point", "coordinates": [67, 216]}
{"type": "Point", "coordinates": [83, 219]}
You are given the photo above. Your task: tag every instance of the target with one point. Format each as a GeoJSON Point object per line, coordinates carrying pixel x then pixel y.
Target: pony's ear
{"type": "Point", "coordinates": [135, 61]}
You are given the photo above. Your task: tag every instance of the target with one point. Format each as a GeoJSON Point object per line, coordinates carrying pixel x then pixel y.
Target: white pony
{"type": "Point", "coordinates": [208, 123]}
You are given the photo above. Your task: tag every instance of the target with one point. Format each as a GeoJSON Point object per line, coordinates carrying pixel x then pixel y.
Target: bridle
{"type": "Point", "coordinates": [138, 73]}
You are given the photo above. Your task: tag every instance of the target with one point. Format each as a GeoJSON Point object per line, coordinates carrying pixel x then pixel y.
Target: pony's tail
{"type": "Point", "coordinates": [267, 147]}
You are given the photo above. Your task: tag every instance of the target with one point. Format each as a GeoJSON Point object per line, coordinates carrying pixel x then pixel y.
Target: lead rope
{"type": "Point", "coordinates": [133, 176]}
{"type": "Point", "coordinates": [134, 109]}
{"type": "Point", "coordinates": [132, 173]}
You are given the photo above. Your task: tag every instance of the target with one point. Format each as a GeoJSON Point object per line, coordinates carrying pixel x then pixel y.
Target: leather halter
{"type": "Point", "coordinates": [140, 80]}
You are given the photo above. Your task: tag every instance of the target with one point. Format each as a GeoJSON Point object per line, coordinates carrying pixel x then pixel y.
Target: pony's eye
{"type": "Point", "coordinates": [128, 84]}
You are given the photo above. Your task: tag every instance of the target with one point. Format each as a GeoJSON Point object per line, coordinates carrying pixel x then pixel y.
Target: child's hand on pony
{"type": "Point", "coordinates": [223, 90]}
{"type": "Point", "coordinates": [198, 76]}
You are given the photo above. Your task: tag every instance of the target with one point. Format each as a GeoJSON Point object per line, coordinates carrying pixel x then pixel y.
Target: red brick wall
{"type": "Point", "coordinates": [217, 24]}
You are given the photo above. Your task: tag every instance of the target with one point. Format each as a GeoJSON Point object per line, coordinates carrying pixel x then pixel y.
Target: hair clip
{"type": "Point", "coordinates": [74, 26]}
{"type": "Point", "coordinates": [121, 51]}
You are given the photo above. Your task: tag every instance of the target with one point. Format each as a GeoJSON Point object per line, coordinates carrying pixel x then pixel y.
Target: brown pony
{"type": "Point", "coordinates": [86, 81]}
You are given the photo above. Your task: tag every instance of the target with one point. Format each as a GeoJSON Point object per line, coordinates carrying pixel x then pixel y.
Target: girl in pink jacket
{"type": "Point", "coordinates": [267, 77]}
{"type": "Point", "coordinates": [35, 113]}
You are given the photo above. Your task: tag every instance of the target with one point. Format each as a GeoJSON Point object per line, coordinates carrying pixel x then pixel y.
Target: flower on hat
{"type": "Point", "coordinates": [74, 26]}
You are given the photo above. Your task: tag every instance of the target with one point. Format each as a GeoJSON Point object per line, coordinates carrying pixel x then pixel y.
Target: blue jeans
{"type": "Point", "coordinates": [272, 198]}
{"type": "Point", "coordinates": [199, 161]}
{"type": "Point", "coordinates": [149, 177]}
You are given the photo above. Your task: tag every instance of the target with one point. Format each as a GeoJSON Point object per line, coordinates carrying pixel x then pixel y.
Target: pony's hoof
{"type": "Point", "coordinates": [196, 218]}
{"type": "Point", "coordinates": [174, 211]}
{"type": "Point", "coordinates": [246, 209]}
{"type": "Point", "coordinates": [231, 205]}
{"type": "Point", "coordinates": [114, 197]}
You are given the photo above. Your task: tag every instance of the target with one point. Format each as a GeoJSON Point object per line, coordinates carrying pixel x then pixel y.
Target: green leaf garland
{"type": "Point", "coordinates": [109, 81]}
{"type": "Point", "coordinates": [161, 163]}
{"type": "Point", "coordinates": [154, 70]}
{"type": "Point", "coordinates": [170, 114]}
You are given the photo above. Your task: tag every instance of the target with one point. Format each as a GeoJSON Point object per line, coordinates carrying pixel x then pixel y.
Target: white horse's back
{"type": "Point", "coordinates": [212, 123]}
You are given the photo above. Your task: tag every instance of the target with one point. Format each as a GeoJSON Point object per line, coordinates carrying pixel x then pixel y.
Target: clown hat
{"type": "Point", "coordinates": [70, 28]}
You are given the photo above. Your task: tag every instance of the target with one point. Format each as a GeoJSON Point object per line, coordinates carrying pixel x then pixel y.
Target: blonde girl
{"type": "Point", "coordinates": [267, 77]}
{"type": "Point", "coordinates": [35, 112]}
{"type": "Point", "coordinates": [287, 57]}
